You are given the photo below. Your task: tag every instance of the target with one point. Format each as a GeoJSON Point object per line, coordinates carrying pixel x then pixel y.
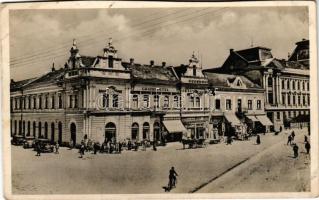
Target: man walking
{"type": "Point", "coordinates": [258, 140]}
{"type": "Point", "coordinates": [57, 148]}
{"type": "Point", "coordinates": [307, 147]}
{"type": "Point", "coordinates": [289, 140]}
{"type": "Point", "coordinates": [38, 148]}
{"type": "Point", "coordinates": [82, 149]}
{"type": "Point", "coordinates": [293, 135]}
{"type": "Point", "coordinates": [295, 149]}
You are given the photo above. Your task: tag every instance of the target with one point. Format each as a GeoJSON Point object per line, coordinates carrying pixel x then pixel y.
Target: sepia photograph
{"type": "Point", "coordinates": [117, 98]}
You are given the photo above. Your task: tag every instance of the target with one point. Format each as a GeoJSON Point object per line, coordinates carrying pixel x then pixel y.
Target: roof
{"type": "Point", "coordinates": [251, 54]}
{"type": "Point", "coordinates": [88, 60]}
{"type": "Point", "coordinates": [152, 73]}
{"type": "Point", "coordinates": [18, 84]}
{"type": "Point", "coordinates": [220, 80]}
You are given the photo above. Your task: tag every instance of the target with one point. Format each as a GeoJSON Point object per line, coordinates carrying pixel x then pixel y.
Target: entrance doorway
{"type": "Point", "coordinates": [156, 131]}
{"type": "Point", "coordinates": [110, 132]}
{"type": "Point", "coordinates": [73, 133]}
{"type": "Point", "coordinates": [60, 133]}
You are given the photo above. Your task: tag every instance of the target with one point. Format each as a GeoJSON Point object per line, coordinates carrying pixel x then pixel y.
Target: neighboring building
{"type": "Point", "coordinates": [286, 83]}
{"type": "Point", "coordinates": [237, 106]}
{"type": "Point", "coordinates": [301, 53]}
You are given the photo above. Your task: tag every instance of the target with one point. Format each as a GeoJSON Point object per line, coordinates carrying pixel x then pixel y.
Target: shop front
{"type": "Point", "coordinates": [175, 130]}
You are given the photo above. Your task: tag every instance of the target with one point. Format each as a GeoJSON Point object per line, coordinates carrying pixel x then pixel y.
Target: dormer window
{"type": "Point", "coordinates": [238, 83]}
{"type": "Point", "coordinates": [110, 59]}
{"type": "Point", "coordinates": [194, 70]}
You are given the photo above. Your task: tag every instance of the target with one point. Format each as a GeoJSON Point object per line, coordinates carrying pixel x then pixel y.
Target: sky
{"type": "Point", "coordinates": [39, 38]}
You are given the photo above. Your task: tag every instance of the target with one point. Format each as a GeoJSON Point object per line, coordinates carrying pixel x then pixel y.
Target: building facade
{"type": "Point", "coordinates": [286, 82]}
{"type": "Point", "coordinates": [105, 98]}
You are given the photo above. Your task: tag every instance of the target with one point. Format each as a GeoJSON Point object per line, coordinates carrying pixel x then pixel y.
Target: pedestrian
{"type": "Point", "coordinates": [295, 149]}
{"type": "Point", "coordinates": [38, 148]}
{"type": "Point", "coordinates": [95, 147]}
{"type": "Point", "coordinates": [154, 146]}
{"type": "Point", "coordinates": [82, 149]}
{"type": "Point", "coordinates": [120, 147]}
{"type": "Point", "coordinates": [172, 178]}
{"type": "Point", "coordinates": [57, 146]}
{"type": "Point", "coordinates": [258, 140]}
{"type": "Point", "coordinates": [293, 135]}
{"type": "Point", "coordinates": [289, 140]}
{"type": "Point", "coordinates": [307, 147]}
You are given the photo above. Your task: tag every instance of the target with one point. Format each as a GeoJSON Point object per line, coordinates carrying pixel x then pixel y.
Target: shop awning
{"type": "Point", "coordinates": [252, 118]}
{"type": "Point", "coordinates": [232, 118]}
{"type": "Point", "coordinates": [264, 120]}
{"type": "Point", "coordinates": [174, 126]}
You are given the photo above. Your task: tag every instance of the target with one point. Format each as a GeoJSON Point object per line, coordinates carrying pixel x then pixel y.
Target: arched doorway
{"type": "Point", "coordinates": [52, 132]}
{"type": "Point", "coordinates": [135, 130]}
{"type": "Point", "coordinates": [156, 131]}
{"type": "Point", "coordinates": [40, 129]}
{"type": "Point", "coordinates": [28, 129]}
{"type": "Point", "coordinates": [34, 129]}
{"type": "Point", "coordinates": [110, 131]}
{"type": "Point", "coordinates": [146, 131]}
{"type": "Point", "coordinates": [73, 133]}
{"type": "Point", "coordinates": [60, 133]}
{"type": "Point", "coordinates": [46, 130]}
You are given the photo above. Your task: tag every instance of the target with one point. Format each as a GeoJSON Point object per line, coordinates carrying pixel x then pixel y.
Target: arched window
{"type": "Point", "coordinates": [34, 129]}
{"type": "Point", "coordinates": [166, 102]}
{"type": "Point", "coordinates": [197, 102]}
{"type": "Point", "coordinates": [28, 129]}
{"type": "Point", "coordinates": [60, 132]}
{"type": "Point", "coordinates": [40, 130]}
{"type": "Point", "coordinates": [46, 130]}
{"type": "Point", "coordinates": [135, 130]}
{"type": "Point", "coordinates": [115, 101]}
{"type": "Point", "coordinates": [110, 131]}
{"type": "Point", "coordinates": [23, 127]}
{"type": "Point", "coordinates": [52, 132]}
{"type": "Point", "coordinates": [176, 102]}
{"type": "Point", "coordinates": [135, 101]}
{"type": "Point", "coordinates": [146, 131]}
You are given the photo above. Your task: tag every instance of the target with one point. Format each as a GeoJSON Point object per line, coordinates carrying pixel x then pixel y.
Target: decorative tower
{"type": "Point", "coordinates": [194, 68]}
{"type": "Point", "coordinates": [109, 50]}
{"type": "Point", "coordinates": [75, 60]}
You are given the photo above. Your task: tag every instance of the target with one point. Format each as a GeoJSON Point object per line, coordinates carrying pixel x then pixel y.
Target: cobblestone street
{"type": "Point", "coordinates": [147, 171]}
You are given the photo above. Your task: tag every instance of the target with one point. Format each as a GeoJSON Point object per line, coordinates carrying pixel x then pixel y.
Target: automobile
{"type": "Point", "coordinates": [17, 140]}
{"type": "Point", "coordinates": [45, 145]}
{"type": "Point", "coordinates": [28, 142]}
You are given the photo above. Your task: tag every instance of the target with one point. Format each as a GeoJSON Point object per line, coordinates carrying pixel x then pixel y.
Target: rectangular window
{"type": "Point", "coordinates": [283, 98]}
{"type": "Point", "coordinates": [24, 102]}
{"type": "Point", "coordinates": [289, 113]}
{"type": "Point", "coordinates": [166, 102]}
{"type": "Point", "coordinates": [191, 100]}
{"type": "Point", "coordinates": [228, 104]}
{"type": "Point", "coordinates": [299, 100]}
{"type": "Point", "coordinates": [250, 104]}
{"type": "Point", "coordinates": [106, 100]}
{"type": "Point", "coordinates": [46, 102]}
{"type": "Point", "coordinates": [293, 85]}
{"type": "Point", "coordinates": [60, 101]}
{"type": "Point", "coordinates": [34, 102]}
{"type": "Point", "coordinates": [258, 104]}
{"type": "Point", "coordinates": [308, 86]}
{"type": "Point", "coordinates": [298, 85]}
{"type": "Point", "coordinates": [146, 101]}
{"type": "Point", "coordinates": [21, 103]}
{"type": "Point", "coordinates": [53, 102]}
{"type": "Point", "coordinates": [70, 101]}
{"type": "Point", "coordinates": [40, 102]}
{"type": "Point", "coordinates": [30, 101]}
{"type": "Point", "coordinates": [288, 84]}
{"type": "Point", "coordinates": [293, 100]}
{"type": "Point", "coordinates": [176, 102]}
{"type": "Point", "coordinates": [76, 101]}
{"type": "Point", "coordinates": [304, 100]}
{"type": "Point", "coordinates": [283, 84]}
{"type": "Point", "coordinates": [197, 103]}
{"type": "Point", "coordinates": [217, 104]}
{"type": "Point", "coordinates": [15, 103]}
{"type": "Point", "coordinates": [270, 98]}
{"type": "Point", "coordinates": [308, 96]}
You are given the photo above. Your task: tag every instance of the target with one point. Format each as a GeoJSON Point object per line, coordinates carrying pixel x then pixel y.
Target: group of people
{"type": "Point", "coordinates": [111, 146]}
{"type": "Point", "coordinates": [55, 148]}
{"type": "Point", "coordinates": [295, 147]}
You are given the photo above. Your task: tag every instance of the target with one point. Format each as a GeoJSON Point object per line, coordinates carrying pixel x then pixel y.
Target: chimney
{"type": "Point", "coordinates": [131, 61]}
{"type": "Point", "coordinates": [231, 50]}
{"type": "Point", "coordinates": [303, 39]}
{"type": "Point", "coordinates": [152, 62]}
{"type": "Point", "coordinates": [163, 64]}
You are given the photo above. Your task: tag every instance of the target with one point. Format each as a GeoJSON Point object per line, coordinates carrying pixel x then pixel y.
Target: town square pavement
{"type": "Point", "coordinates": [147, 171]}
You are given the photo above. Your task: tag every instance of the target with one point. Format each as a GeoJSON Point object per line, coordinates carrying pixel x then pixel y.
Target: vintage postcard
{"type": "Point", "coordinates": [153, 100]}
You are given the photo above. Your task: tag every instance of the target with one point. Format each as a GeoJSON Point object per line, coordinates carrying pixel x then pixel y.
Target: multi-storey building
{"type": "Point", "coordinates": [105, 98]}
{"type": "Point", "coordinates": [286, 83]}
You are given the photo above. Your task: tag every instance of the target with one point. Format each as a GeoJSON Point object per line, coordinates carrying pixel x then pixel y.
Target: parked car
{"type": "Point", "coordinates": [29, 142]}
{"type": "Point", "coordinates": [17, 140]}
{"type": "Point", "coordinates": [45, 145]}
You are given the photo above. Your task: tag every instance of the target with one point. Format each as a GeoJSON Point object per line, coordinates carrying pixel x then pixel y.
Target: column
{"type": "Point", "coordinates": [279, 90]}
{"type": "Point", "coordinates": [274, 90]}
{"type": "Point", "coordinates": [286, 99]}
